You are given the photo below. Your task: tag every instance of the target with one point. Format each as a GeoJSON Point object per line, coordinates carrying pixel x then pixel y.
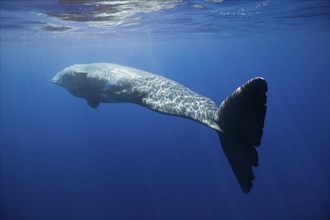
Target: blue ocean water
{"type": "Point", "coordinates": [61, 159]}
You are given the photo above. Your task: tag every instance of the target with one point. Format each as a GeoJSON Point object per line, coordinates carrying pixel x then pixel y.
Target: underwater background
{"type": "Point", "coordinates": [61, 159]}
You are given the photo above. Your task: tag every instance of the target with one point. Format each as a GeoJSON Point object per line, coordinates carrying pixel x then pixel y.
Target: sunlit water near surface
{"type": "Point", "coordinates": [60, 159]}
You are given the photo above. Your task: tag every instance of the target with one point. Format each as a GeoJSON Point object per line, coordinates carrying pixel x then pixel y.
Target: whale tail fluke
{"type": "Point", "coordinates": [241, 119]}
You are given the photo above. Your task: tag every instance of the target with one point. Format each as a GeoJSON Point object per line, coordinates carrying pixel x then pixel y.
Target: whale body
{"type": "Point", "coordinates": [239, 120]}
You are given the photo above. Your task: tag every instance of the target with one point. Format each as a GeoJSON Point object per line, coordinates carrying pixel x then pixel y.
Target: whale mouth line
{"type": "Point", "coordinates": [55, 81]}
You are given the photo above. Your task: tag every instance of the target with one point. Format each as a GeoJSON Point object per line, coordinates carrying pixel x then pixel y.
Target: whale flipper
{"type": "Point", "coordinates": [241, 119]}
{"type": "Point", "coordinates": [92, 103]}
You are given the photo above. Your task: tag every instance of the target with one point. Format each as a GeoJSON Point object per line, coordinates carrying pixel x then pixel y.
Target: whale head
{"type": "Point", "coordinates": [82, 82]}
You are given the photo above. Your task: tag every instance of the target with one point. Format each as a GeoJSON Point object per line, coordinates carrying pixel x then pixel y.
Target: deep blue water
{"type": "Point", "coordinates": [61, 159]}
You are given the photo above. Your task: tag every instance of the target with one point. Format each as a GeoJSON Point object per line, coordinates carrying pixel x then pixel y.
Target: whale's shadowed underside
{"type": "Point", "coordinates": [239, 120]}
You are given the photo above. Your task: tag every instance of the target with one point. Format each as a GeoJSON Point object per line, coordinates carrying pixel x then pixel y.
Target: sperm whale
{"type": "Point", "coordinates": [239, 120]}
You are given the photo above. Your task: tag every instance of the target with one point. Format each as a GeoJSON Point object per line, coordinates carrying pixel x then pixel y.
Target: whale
{"type": "Point", "coordinates": [238, 120]}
